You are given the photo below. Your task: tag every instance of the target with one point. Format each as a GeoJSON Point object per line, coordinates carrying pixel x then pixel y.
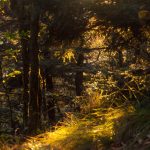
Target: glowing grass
{"type": "Point", "coordinates": [95, 129]}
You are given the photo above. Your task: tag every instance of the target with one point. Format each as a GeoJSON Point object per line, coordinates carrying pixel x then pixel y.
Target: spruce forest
{"type": "Point", "coordinates": [74, 74]}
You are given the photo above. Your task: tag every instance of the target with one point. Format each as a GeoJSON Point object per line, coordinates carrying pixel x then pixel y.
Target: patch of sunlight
{"type": "Point", "coordinates": [34, 146]}
{"type": "Point", "coordinates": [103, 130]}
{"type": "Point", "coordinates": [114, 114]}
{"type": "Point", "coordinates": [62, 132]}
{"type": "Point", "coordinates": [13, 74]}
{"type": "Point", "coordinates": [92, 21]}
{"type": "Point", "coordinates": [110, 118]}
{"type": "Point", "coordinates": [14, 42]}
{"type": "Point", "coordinates": [106, 127]}
{"type": "Point", "coordinates": [68, 56]}
{"type": "Point", "coordinates": [80, 134]}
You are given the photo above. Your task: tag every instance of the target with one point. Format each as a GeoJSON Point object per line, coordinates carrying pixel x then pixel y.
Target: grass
{"type": "Point", "coordinates": [93, 131]}
{"type": "Point", "coordinates": [124, 128]}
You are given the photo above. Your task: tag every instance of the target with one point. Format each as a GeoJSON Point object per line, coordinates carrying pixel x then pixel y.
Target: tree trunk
{"type": "Point", "coordinates": [25, 58]}
{"type": "Point", "coordinates": [40, 97]}
{"type": "Point", "coordinates": [44, 108]}
{"type": "Point", "coordinates": [137, 35]}
{"type": "Point", "coordinates": [79, 75]}
{"type": "Point", "coordinates": [34, 113]}
{"type": "Point", "coordinates": [120, 58]}
{"type": "Point", "coordinates": [1, 73]}
{"type": "Point", "coordinates": [51, 101]}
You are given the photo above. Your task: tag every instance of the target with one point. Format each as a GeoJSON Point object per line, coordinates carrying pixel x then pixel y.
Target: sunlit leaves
{"type": "Point", "coordinates": [1, 42]}
{"type": "Point", "coordinates": [68, 56]}
{"type": "Point", "coordinates": [12, 37]}
{"type": "Point", "coordinates": [13, 74]}
{"type": "Point", "coordinates": [2, 5]}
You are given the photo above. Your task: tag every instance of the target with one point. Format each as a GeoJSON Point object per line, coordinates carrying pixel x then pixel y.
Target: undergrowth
{"type": "Point", "coordinates": [94, 131]}
{"type": "Point", "coordinates": [123, 128]}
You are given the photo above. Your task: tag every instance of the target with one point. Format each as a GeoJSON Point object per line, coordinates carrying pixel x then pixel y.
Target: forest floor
{"type": "Point", "coordinates": [111, 129]}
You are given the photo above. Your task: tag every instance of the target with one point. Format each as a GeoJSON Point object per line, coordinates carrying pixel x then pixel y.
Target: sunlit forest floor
{"type": "Point", "coordinates": [124, 128]}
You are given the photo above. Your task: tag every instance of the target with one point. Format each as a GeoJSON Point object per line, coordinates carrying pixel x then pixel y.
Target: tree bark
{"type": "Point", "coordinates": [34, 112]}
{"type": "Point", "coordinates": [137, 35]}
{"type": "Point", "coordinates": [1, 73]}
{"type": "Point", "coordinates": [79, 75]}
{"type": "Point", "coordinates": [25, 58]}
{"type": "Point", "coordinates": [51, 101]}
{"type": "Point", "coordinates": [120, 58]}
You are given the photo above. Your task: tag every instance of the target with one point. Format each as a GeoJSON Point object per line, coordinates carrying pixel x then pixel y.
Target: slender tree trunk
{"type": "Point", "coordinates": [49, 82]}
{"type": "Point", "coordinates": [1, 73]}
{"type": "Point", "coordinates": [51, 101]}
{"type": "Point", "coordinates": [44, 108]}
{"type": "Point", "coordinates": [40, 96]}
{"type": "Point", "coordinates": [137, 35]}
{"type": "Point", "coordinates": [120, 58]}
{"type": "Point", "coordinates": [48, 106]}
{"type": "Point", "coordinates": [34, 113]}
{"type": "Point", "coordinates": [25, 58]}
{"type": "Point", "coordinates": [79, 75]}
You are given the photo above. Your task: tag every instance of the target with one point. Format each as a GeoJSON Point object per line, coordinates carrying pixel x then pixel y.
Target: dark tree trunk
{"type": "Point", "coordinates": [120, 58]}
{"type": "Point", "coordinates": [51, 110]}
{"type": "Point", "coordinates": [49, 82]}
{"type": "Point", "coordinates": [79, 75]}
{"type": "Point", "coordinates": [34, 113]}
{"type": "Point", "coordinates": [51, 101]}
{"type": "Point", "coordinates": [25, 59]}
{"type": "Point", "coordinates": [48, 104]}
{"type": "Point", "coordinates": [44, 108]}
{"type": "Point", "coordinates": [40, 97]}
{"type": "Point", "coordinates": [1, 73]}
{"type": "Point", "coordinates": [137, 35]}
